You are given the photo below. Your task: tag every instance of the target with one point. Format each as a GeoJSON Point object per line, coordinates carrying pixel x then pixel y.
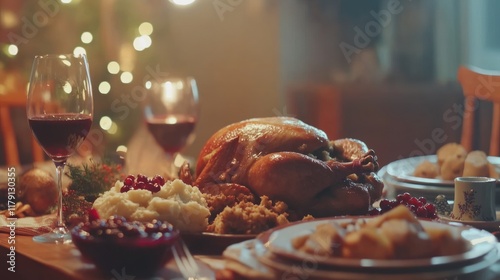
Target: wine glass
{"type": "Point", "coordinates": [59, 111]}
{"type": "Point", "coordinates": [171, 113]}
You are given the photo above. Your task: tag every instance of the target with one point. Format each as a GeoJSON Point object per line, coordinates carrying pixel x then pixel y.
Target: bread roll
{"type": "Point", "coordinates": [427, 169]}
{"type": "Point", "coordinates": [452, 167]}
{"type": "Point", "coordinates": [450, 150]}
{"type": "Point", "coordinates": [476, 165]}
{"type": "Point", "coordinates": [38, 188]}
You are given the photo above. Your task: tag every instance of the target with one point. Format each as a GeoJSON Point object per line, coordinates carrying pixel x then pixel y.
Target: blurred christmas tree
{"type": "Point", "coordinates": [124, 41]}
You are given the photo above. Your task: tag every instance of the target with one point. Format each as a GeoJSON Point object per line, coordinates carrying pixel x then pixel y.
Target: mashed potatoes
{"type": "Point", "coordinates": [178, 203]}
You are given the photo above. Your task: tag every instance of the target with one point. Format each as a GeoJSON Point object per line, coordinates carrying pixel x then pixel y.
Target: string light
{"type": "Point", "coordinates": [79, 50]}
{"type": "Point", "coordinates": [104, 87]}
{"type": "Point", "coordinates": [12, 50]}
{"type": "Point", "coordinates": [113, 128]}
{"type": "Point", "coordinates": [105, 122]}
{"type": "Point", "coordinates": [142, 42]}
{"type": "Point", "coordinates": [145, 28]}
{"type": "Point", "coordinates": [126, 77]}
{"type": "Point", "coordinates": [86, 37]}
{"type": "Point", "coordinates": [113, 67]}
{"type": "Point", "coordinates": [182, 2]}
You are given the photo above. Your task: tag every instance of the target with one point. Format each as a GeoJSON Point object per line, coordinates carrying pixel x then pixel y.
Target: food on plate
{"type": "Point", "coordinates": [250, 218]}
{"type": "Point", "coordinates": [176, 202]}
{"type": "Point", "coordinates": [286, 160]}
{"type": "Point", "coordinates": [452, 167]}
{"type": "Point", "coordinates": [450, 150]}
{"type": "Point", "coordinates": [454, 161]}
{"type": "Point", "coordinates": [427, 169]}
{"type": "Point", "coordinates": [115, 243]}
{"type": "Point", "coordinates": [396, 234]}
{"type": "Point", "coordinates": [418, 206]}
{"type": "Point", "coordinates": [476, 165]}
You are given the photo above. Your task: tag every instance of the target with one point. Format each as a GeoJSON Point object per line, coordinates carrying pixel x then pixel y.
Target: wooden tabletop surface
{"type": "Point", "coordinates": [57, 261]}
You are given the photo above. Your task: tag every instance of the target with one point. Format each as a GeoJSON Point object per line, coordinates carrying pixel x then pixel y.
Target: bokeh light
{"type": "Point", "coordinates": [86, 37]}
{"type": "Point", "coordinates": [113, 67]}
{"type": "Point", "coordinates": [105, 122]}
{"type": "Point", "coordinates": [79, 50]}
{"type": "Point", "coordinates": [12, 50]}
{"type": "Point", "coordinates": [182, 2]}
{"type": "Point", "coordinates": [142, 42]}
{"type": "Point", "coordinates": [145, 28]}
{"type": "Point", "coordinates": [104, 87]}
{"type": "Point", "coordinates": [126, 77]}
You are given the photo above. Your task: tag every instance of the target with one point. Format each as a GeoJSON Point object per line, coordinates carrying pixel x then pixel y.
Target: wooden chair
{"type": "Point", "coordinates": [7, 102]}
{"type": "Point", "coordinates": [480, 84]}
{"type": "Point", "coordinates": [319, 105]}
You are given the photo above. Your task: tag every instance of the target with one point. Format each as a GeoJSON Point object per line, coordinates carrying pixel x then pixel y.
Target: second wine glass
{"type": "Point", "coordinates": [171, 113]}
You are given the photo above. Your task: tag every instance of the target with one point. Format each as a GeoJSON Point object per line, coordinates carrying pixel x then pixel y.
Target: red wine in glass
{"type": "Point", "coordinates": [59, 110]}
{"type": "Point", "coordinates": [60, 134]}
{"type": "Point", "coordinates": [171, 132]}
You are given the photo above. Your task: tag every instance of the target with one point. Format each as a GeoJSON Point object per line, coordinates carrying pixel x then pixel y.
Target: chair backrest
{"type": "Point", "coordinates": [7, 102]}
{"type": "Point", "coordinates": [480, 84]}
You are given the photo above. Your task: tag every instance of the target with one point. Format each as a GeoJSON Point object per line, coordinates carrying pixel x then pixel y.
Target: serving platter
{"type": "Point", "coordinates": [403, 170]}
{"type": "Point", "coordinates": [279, 242]}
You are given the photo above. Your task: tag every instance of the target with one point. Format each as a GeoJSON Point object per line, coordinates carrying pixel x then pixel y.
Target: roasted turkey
{"type": "Point", "coordinates": [285, 159]}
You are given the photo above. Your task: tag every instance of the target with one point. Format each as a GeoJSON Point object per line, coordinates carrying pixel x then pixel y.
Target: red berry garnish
{"type": "Point", "coordinates": [415, 202]}
{"type": "Point", "coordinates": [93, 214]}
{"type": "Point", "coordinates": [431, 208]}
{"type": "Point", "coordinates": [432, 215]}
{"type": "Point", "coordinates": [385, 204]}
{"type": "Point", "coordinates": [142, 178]}
{"type": "Point", "coordinates": [153, 187]}
{"type": "Point", "coordinates": [141, 182]}
{"type": "Point", "coordinates": [158, 179]}
{"type": "Point", "coordinates": [129, 181]}
{"type": "Point", "coordinates": [406, 196]}
{"type": "Point", "coordinates": [140, 185]}
{"type": "Point", "coordinates": [116, 227]}
{"type": "Point", "coordinates": [417, 206]}
{"type": "Point", "coordinates": [421, 212]}
{"type": "Point", "coordinates": [422, 200]}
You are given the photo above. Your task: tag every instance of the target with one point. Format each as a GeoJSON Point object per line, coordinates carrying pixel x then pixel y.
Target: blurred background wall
{"type": "Point", "coordinates": [382, 71]}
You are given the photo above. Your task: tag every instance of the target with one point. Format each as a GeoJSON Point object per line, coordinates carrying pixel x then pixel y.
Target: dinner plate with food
{"type": "Point", "coordinates": [450, 161]}
{"type": "Point", "coordinates": [394, 240]}
{"type": "Point", "coordinates": [286, 268]}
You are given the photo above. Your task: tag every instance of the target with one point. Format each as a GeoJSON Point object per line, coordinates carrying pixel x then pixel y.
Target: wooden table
{"type": "Point", "coordinates": [58, 261]}
{"type": "Point", "coordinates": [64, 262]}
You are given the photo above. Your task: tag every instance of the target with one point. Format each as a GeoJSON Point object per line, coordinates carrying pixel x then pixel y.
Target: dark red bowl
{"type": "Point", "coordinates": [140, 256]}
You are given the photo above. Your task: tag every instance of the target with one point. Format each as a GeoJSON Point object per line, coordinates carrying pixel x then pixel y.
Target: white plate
{"type": "Point", "coordinates": [403, 170]}
{"type": "Point", "coordinates": [279, 242]}
{"type": "Point", "coordinates": [287, 269]}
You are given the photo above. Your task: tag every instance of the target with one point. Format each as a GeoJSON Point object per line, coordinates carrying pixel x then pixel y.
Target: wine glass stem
{"type": "Point", "coordinates": [172, 170]}
{"type": "Point", "coordinates": [59, 172]}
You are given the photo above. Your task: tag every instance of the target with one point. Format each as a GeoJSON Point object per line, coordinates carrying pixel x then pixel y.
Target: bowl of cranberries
{"type": "Point", "coordinates": [115, 244]}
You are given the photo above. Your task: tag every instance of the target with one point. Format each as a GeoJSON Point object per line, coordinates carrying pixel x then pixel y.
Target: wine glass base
{"type": "Point", "coordinates": [57, 236]}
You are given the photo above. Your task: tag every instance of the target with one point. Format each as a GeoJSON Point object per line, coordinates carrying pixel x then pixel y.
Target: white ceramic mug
{"type": "Point", "coordinates": [474, 199]}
